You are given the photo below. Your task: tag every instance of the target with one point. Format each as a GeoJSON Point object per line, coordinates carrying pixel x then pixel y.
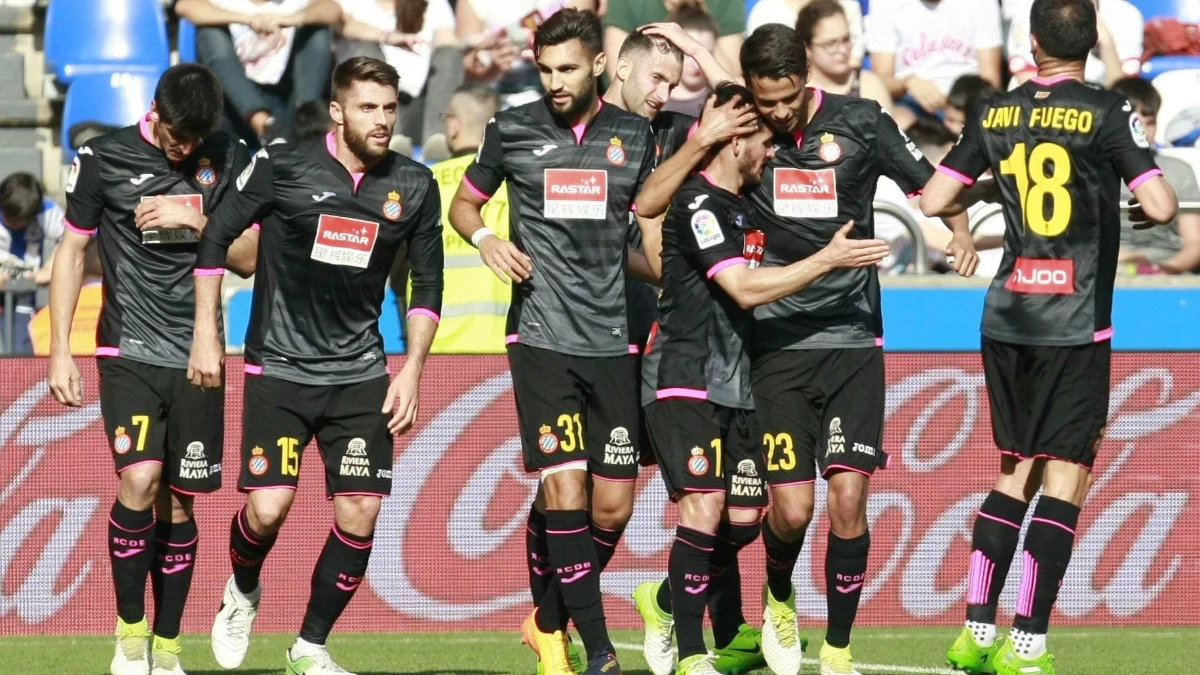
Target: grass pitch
{"type": "Point", "coordinates": [898, 651]}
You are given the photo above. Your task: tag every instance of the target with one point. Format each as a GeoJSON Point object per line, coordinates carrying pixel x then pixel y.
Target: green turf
{"type": "Point", "coordinates": [901, 651]}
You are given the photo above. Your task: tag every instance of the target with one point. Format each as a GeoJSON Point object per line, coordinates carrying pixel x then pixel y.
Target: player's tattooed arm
{"type": "Point", "coordinates": [716, 126]}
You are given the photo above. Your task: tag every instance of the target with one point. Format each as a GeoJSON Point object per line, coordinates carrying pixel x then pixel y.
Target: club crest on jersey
{"type": "Point", "coordinates": [615, 153]}
{"type": "Point", "coordinates": [829, 151]}
{"type": "Point", "coordinates": [258, 463]}
{"type": "Point", "coordinates": [707, 229]}
{"type": "Point", "coordinates": [392, 210]}
{"type": "Point", "coordinates": [121, 441]}
{"type": "Point", "coordinates": [547, 441]}
{"type": "Point", "coordinates": [205, 174]}
{"type": "Point", "coordinates": [698, 464]}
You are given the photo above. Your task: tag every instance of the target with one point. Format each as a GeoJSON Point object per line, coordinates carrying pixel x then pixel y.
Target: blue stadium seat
{"type": "Point", "coordinates": [749, 6]}
{"type": "Point", "coordinates": [1165, 64]}
{"type": "Point", "coordinates": [1185, 10]}
{"type": "Point", "coordinates": [186, 41]}
{"type": "Point", "coordinates": [116, 99]}
{"type": "Point", "coordinates": [102, 36]}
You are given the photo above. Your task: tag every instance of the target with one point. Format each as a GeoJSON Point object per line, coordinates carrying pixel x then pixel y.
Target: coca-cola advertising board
{"type": "Point", "coordinates": [449, 547]}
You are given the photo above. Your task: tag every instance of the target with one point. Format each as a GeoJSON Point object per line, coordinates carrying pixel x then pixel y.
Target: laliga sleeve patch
{"type": "Point", "coordinates": [73, 177]}
{"type": "Point", "coordinates": [707, 229]}
{"type": "Point", "coordinates": [1138, 131]}
{"type": "Point", "coordinates": [249, 170]}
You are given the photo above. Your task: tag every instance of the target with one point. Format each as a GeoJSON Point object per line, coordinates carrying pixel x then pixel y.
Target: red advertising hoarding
{"type": "Point", "coordinates": [449, 546]}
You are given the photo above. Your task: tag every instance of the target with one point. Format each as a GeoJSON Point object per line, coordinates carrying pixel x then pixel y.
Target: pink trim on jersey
{"type": "Point", "coordinates": [681, 392]}
{"type": "Point", "coordinates": [843, 467]}
{"type": "Point", "coordinates": [810, 481]}
{"type": "Point", "coordinates": [108, 351]}
{"type": "Point", "coordinates": [878, 342]}
{"type": "Point", "coordinates": [257, 227]}
{"type": "Point", "coordinates": [252, 488]}
{"type": "Point", "coordinates": [144, 461]}
{"type": "Point", "coordinates": [1052, 81]}
{"type": "Point", "coordinates": [358, 494]}
{"type": "Point", "coordinates": [349, 542]}
{"type": "Point", "coordinates": [1055, 523]}
{"type": "Point", "coordinates": [421, 311]}
{"type": "Point", "coordinates": [1102, 335]}
{"type": "Point", "coordinates": [962, 178]}
{"type": "Point", "coordinates": [708, 177]}
{"type": "Point", "coordinates": [512, 339]}
{"type": "Point", "coordinates": [1133, 184]}
{"type": "Point", "coordinates": [474, 190]}
{"type": "Point", "coordinates": [726, 263]}
{"type": "Point", "coordinates": [189, 493]}
{"type": "Point", "coordinates": [252, 369]}
{"type": "Point", "coordinates": [78, 230]}
{"type": "Point", "coordinates": [918, 193]}
{"type": "Point", "coordinates": [634, 349]}
{"type": "Point", "coordinates": [819, 97]}
{"type": "Point", "coordinates": [692, 129]}
{"type": "Point", "coordinates": [998, 519]}
{"type": "Point", "coordinates": [580, 129]}
{"type": "Point", "coordinates": [144, 129]}
{"type": "Point", "coordinates": [331, 144]}
{"type": "Point", "coordinates": [209, 271]}
{"type": "Point", "coordinates": [357, 178]}
{"type": "Point", "coordinates": [612, 480]}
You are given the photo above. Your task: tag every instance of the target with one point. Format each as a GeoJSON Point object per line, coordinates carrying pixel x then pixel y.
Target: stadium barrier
{"type": "Point", "coordinates": [449, 547]}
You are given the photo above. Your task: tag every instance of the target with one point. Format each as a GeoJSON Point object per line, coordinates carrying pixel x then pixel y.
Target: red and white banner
{"type": "Point", "coordinates": [449, 548]}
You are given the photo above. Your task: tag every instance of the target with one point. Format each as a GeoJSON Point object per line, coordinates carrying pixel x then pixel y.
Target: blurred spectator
{"type": "Point", "coordinates": [1117, 54]}
{"type": "Point", "coordinates": [312, 121]}
{"type": "Point", "coordinates": [33, 225]}
{"type": "Point", "coordinates": [920, 47]}
{"type": "Point", "coordinates": [475, 305]}
{"type": "Point", "coordinates": [418, 38]}
{"type": "Point", "coordinates": [729, 17]}
{"type": "Point", "coordinates": [497, 35]}
{"type": "Point", "coordinates": [786, 12]}
{"type": "Point", "coordinates": [822, 25]}
{"type": "Point", "coordinates": [1173, 248]}
{"type": "Point", "coordinates": [968, 92]}
{"type": "Point", "coordinates": [688, 98]}
{"type": "Point", "coordinates": [87, 311]}
{"type": "Point", "coordinates": [270, 55]}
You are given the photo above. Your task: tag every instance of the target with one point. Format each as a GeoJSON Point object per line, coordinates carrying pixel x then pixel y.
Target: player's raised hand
{"type": "Point", "coordinates": [718, 125]}
{"type": "Point", "coordinates": [205, 362]}
{"type": "Point", "coordinates": [505, 259]}
{"type": "Point", "coordinates": [65, 381]}
{"type": "Point", "coordinates": [401, 401]}
{"type": "Point", "coordinates": [675, 34]}
{"type": "Point", "coordinates": [163, 213]}
{"type": "Point", "coordinates": [961, 254]}
{"type": "Point", "coordinates": [845, 252]}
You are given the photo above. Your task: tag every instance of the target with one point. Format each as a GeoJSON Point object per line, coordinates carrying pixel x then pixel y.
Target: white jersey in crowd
{"type": "Point", "coordinates": [413, 65]}
{"type": "Point", "coordinates": [783, 12]}
{"type": "Point", "coordinates": [264, 58]}
{"type": "Point", "coordinates": [1121, 18]}
{"type": "Point", "coordinates": [936, 41]}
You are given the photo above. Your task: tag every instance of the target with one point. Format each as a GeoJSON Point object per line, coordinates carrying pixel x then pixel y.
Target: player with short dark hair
{"type": "Point", "coordinates": [145, 190]}
{"type": "Point", "coordinates": [20, 199]}
{"type": "Point", "coordinates": [697, 375]}
{"type": "Point", "coordinates": [817, 365]}
{"type": "Point", "coordinates": [573, 166]}
{"type": "Point", "coordinates": [334, 212]}
{"type": "Point", "coordinates": [1058, 149]}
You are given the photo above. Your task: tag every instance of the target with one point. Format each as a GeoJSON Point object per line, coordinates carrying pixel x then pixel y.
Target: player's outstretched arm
{"type": "Point", "coordinates": [65, 280]}
{"type": "Point", "coordinates": [716, 126]}
{"type": "Point", "coordinates": [753, 287]}
{"type": "Point", "coordinates": [940, 196]}
{"type": "Point", "coordinates": [208, 354]}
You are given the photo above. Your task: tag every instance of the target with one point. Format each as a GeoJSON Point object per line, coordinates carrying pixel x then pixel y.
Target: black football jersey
{"type": "Point", "coordinates": [1058, 150]}
{"type": "Point", "coordinates": [328, 242]}
{"type": "Point", "coordinates": [570, 192]}
{"type": "Point", "coordinates": [699, 350]}
{"type": "Point", "coordinates": [149, 301]}
{"type": "Point", "coordinates": [821, 178]}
